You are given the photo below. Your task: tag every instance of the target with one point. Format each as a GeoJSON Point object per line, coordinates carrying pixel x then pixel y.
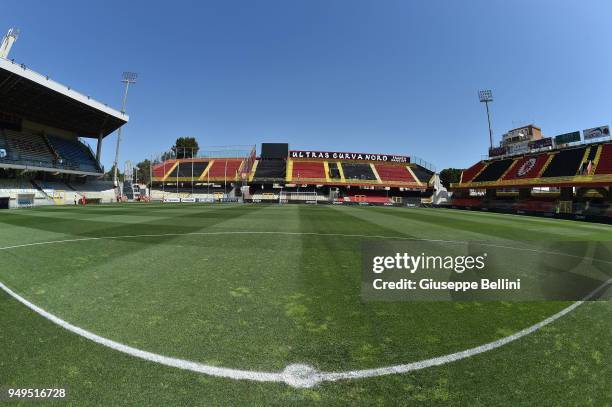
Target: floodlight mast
{"type": "Point", "coordinates": [7, 42]}
{"type": "Point", "coordinates": [485, 97]}
{"type": "Point", "coordinates": [128, 78]}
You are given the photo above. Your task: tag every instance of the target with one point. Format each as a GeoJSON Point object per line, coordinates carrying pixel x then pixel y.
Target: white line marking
{"type": "Point", "coordinates": [298, 234]}
{"type": "Point", "coordinates": [296, 375]}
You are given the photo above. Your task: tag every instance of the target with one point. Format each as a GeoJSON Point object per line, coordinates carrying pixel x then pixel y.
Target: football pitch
{"type": "Point", "coordinates": [262, 289]}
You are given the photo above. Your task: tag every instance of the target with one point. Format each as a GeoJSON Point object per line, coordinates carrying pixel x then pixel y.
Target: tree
{"type": "Point", "coordinates": [110, 173]}
{"type": "Point", "coordinates": [450, 176]}
{"type": "Point", "coordinates": [144, 172]}
{"type": "Point", "coordinates": [168, 155]}
{"type": "Point", "coordinates": [186, 147]}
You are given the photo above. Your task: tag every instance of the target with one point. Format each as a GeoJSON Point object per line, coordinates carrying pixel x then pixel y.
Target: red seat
{"type": "Point", "coordinates": [604, 166]}
{"type": "Point", "coordinates": [394, 173]}
{"type": "Point", "coordinates": [308, 170]}
{"type": "Point", "coordinates": [471, 172]}
{"type": "Point", "coordinates": [527, 167]}
{"type": "Point", "coordinates": [224, 168]}
{"type": "Point", "coordinates": [160, 170]}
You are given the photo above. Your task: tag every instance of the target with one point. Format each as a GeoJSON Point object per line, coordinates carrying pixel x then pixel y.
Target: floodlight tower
{"type": "Point", "coordinates": [485, 97]}
{"type": "Point", "coordinates": [7, 42]}
{"type": "Point", "coordinates": [128, 78]}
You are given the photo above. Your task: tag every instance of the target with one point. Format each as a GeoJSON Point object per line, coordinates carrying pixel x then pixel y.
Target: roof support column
{"type": "Point", "coordinates": [99, 147]}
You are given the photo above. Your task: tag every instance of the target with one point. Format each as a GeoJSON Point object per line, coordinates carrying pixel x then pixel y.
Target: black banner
{"type": "Point", "coordinates": [541, 143]}
{"type": "Point", "coordinates": [336, 155]}
{"type": "Point", "coordinates": [497, 151]}
{"type": "Point", "coordinates": [567, 138]}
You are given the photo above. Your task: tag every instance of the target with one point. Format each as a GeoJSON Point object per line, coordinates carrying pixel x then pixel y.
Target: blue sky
{"type": "Point", "coordinates": [396, 77]}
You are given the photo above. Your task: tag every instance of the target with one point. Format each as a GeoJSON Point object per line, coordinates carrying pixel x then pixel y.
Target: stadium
{"type": "Point", "coordinates": [234, 275]}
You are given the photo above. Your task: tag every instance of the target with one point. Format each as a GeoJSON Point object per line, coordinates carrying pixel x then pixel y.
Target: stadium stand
{"type": "Point", "coordinates": [28, 148]}
{"type": "Point", "coordinates": [424, 175]}
{"type": "Point", "coordinates": [334, 171]}
{"type": "Point", "coordinates": [213, 169]}
{"type": "Point", "coordinates": [222, 168]}
{"type": "Point", "coordinates": [160, 170]}
{"type": "Point", "coordinates": [604, 165]}
{"type": "Point", "coordinates": [76, 154]}
{"type": "Point", "coordinates": [42, 123]}
{"type": "Point", "coordinates": [358, 171]}
{"type": "Point", "coordinates": [188, 169]}
{"type": "Point", "coordinates": [469, 174]}
{"type": "Point", "coordinates": [21, 148]}
{"type": "Point", "coordinates": [394, 173]}
{"type": "Point", "coordinates": [565, 163]}
{"type": "Point", "coordinates": [527, 167]}
{"type": "Point", "coordinates": [270, 170]}
{"type": "Point", "coordinates": [577, 166]}
{"type": "Point", "coordinates": [493, 170]}
{"type": "Point", "coordinates": [308, 170]}
{"type": "Point", "coordinates": [283, 177]}
{"type": "Point", "coordinates": [572, 182]}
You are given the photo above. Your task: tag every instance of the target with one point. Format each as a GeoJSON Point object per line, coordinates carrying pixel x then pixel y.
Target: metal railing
{"type": "Point", "coordinates": [420, 162]}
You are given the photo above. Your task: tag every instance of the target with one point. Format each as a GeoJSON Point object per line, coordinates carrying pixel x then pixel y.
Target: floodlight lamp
{"type": "Point", "coordinates": [485, 95]}
{"type": "Point", "coordinates": [13, 32]}
{"type": "Point", "coordinates": [130, 76]}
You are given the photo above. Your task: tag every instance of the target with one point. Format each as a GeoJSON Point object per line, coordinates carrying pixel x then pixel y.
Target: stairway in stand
{"type": "Point", "coordinates": [128, 190]}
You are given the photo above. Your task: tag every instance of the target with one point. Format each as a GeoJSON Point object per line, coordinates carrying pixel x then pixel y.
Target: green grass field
{"type": "Point", "coordinates": [179, 281]}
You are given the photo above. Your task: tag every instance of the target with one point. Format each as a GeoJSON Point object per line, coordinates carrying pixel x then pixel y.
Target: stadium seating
{"type": "Point", "coordinates": [334, 172]}
{"type": "Point", "coordinates": [188, 169]}
{"type": "Point", "coordinates": [422, 174]}
{"type": "Point", "coordinates": [527, 167]}
{"type": "Point", "coordinates": [224, 168]}
{"type": "Point", "coordinates": [358, 171]}
{"type": "Point", "coordinates": [270, 169]}
{"type": "Point", "coordinates": [389, 173]}
{"type": "Point", "coordinates": [220, 169]}
{"type": "Point", "coordinates": [565, 163]}
{"type": "Point", "coordinates": [469, 174]}
{"type": "Point", "coordinates": [28, 148]}
{"type": "Point", "coordinates": [493, 171]}
{"type": "Point", "coordinates": [46, 151]}
{"type": "Point", "coordinates": [553, 168]}
{"type": "Point", "coordinates": [75, 154]}
{"type": "Point", "coordinates": [604, 165]}
{"type": "Point", "coordinates": [160, 170]}
{"type": "Point", "coordinates": [304, 170]}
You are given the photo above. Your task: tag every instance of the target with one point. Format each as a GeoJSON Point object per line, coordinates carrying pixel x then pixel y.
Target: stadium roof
{"type": "Point", "coordinates": [35, 97]}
